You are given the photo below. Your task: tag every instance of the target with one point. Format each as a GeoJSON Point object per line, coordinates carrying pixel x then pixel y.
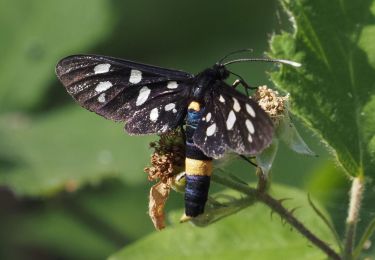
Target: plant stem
{"type": "Point", "coordinates": [263, 183]}
{"type": "Point", "coordinates": [355, 200]}
{"type": "Point", "coordinates": [276, 206]}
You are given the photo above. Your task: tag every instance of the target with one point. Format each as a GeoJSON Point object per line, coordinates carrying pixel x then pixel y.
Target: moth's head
{"type": "Point", "coordinates": [221, 71]}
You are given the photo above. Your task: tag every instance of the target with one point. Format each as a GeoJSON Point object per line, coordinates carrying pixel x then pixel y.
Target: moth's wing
{"type": "Point", "coordinates": [232, 122]}
{"type": "Point", "coordinates": [123, 90]}
{"type": "Point", "coordinates": [75, 69]}
{"type": "Point", "coordinates": [164, 110]}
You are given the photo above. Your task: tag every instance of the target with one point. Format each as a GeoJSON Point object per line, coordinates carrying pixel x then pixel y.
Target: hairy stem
{"type": "Point", "coordinates": [355, 200]}
{"type": "Point", "coordinates": [276, 206]}
{"type": "Point", "coordinates": [263, 183]}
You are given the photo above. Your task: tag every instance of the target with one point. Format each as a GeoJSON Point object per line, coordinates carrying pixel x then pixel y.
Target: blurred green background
{"type": "Point", "coordinates": [71, 183]}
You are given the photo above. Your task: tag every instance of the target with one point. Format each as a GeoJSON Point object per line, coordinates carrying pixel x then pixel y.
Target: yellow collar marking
{"type": "Point", "coordinates": [194, 105]}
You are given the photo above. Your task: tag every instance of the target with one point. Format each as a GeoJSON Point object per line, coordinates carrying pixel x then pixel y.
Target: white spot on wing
{"type": "Point", "coordinates": [135, 76]}
{"type": "Point", "coordinates": [249, 138]}
{"type": "Point", "coordinates": [172, 85]}
{"type": "Point", "coordinates": [164, 128]}
{"type": "Point", "coordinates": [231, 120]}
{"type": "Point", "coordinates": [154, 114]}
{"type": "Point", "coordinates": [101, 98]}
{"type": "Point", "coordinates": [169, 106]}
{"type": "Point", "coordinates": [236, 105]}
{"type": "Point", "coordinates": [102, 68]}
{"type": "Point", "coordinates": [221, 99]}
{"type": "Point", "coordinates": [174, 110]}
{"type": "Point", "coordinates": [250, 110]}
{"type": "Point", "coordinates": [208, 116]}
{"type": "Point", "coordinates": [250, 126]}
{"type": "Point", "coordinates": [103, 86]}
{"type": "Point", "coordinates": [211, 129]}
{"type": "Point", "coordinates": [142, 96]}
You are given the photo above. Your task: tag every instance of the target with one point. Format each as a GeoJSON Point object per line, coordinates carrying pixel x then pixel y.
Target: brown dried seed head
{"type": "Point", "coordinates": [271, 102]}
{"type": "Point", "coordinates": [168, 157]}
{"type": "Point", "coordinates": [167, 160]}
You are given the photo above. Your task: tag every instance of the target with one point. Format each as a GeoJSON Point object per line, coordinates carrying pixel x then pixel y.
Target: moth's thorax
{"type": "Point", "coordinates": [207, 79]}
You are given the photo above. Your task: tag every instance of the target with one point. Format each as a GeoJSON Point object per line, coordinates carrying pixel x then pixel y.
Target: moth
{"type": "Point", "coordinates": [153, 100]}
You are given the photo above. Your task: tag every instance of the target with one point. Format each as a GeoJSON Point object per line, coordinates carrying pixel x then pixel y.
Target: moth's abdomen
{"type": "Point", "coordinates": [198, 177]}
{"type": "Point", "coordinates": [198, 166]}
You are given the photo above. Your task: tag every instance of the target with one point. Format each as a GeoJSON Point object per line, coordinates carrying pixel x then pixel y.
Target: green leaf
{"type": "Point", "coordinates": [34, 40]}
{"type": "Point", "coordinates": [67, 148]}
{"type": "Point", "coordinates": [48, 227]}
{"type": "Point", "coordinates": [334, 90]}
{"type": "Point", "coordinates": [122, 207]}
{"type": "Point", "coordinates": [365, 239]}
{"type": "Point", "coordinates": [249, 234]}
{"type": "Point", "coordinates": [88, 224]}
{"type": "Point", "coordinates": [330, 187]}
{"type": "Point", "coordinates": [64, 233]}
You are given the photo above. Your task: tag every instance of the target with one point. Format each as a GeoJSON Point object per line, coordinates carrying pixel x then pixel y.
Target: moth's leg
{"type": "Point", "coordinates": [236, 83]}
{"type": "Point", "coordinates": [243, 83]}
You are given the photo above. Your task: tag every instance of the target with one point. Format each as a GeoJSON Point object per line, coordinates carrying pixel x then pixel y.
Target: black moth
{"type": "Point", "coordinates": [151, 99]}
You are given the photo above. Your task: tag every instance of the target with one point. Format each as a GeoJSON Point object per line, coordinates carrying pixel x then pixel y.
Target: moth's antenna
{"type": "Point", "coordinates": [288, 62]}
{"type": "Point", "coordinates": [234, 52]}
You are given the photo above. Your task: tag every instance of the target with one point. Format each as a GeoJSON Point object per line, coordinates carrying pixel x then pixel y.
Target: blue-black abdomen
{"type": "Point", "coordinates": [198, 166]}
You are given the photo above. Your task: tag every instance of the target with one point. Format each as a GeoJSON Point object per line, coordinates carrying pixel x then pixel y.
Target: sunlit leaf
{"type": "Point", "coordinates": [249, 234]}
{"type": "Point", "coordinates": [334, 89]}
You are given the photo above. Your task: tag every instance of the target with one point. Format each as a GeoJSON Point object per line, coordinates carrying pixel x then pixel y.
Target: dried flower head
{"type": "Point", "coordinates": [168, 158]}
{"type": "Point", "coordinates": [271, 102]}
{"type": "Point", "coordinates": [277, 107]}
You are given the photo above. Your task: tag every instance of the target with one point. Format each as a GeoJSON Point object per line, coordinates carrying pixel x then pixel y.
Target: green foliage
{"type": "Point", "coordinates": [90, 223]}
{"type": "Point", "coordinates": [33, 41]}
{"type": "Point", "coordinates": [76, 180]}
{"type": "Point", "coordinates": [334, 90]}
{"type": "Point", "coordinates": [56, 224]}
{"type": "Point", "coordinates": [250, 234]}
{"type": "Point", "coordinates": [73, 153]}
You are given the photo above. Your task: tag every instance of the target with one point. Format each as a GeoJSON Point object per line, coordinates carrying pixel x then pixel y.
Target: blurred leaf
{"type": "Point", "coordinates": [250, 234]}
{"type": "Point", "coordinates": [57, 229]}
{"type": "Point", "coordinates": [330, 187]}
{"type": "Point", "coordinates": [122, 207]}
{"type": "Point", "coordinates": [365, 239]}
{"type": "Point", "coordinates": [334, 89]}
{"type": "Point", "coordinates": [67, 148]}
{"type": "Point", "coordinates": [89, 224]}
{"type": "Point", "coordinates": [328, 184]}
{"type": "Point", "coordinates": [35, 35]}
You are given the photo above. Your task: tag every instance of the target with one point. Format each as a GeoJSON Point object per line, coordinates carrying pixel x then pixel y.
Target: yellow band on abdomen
{"type": "Point", "coordinates": [198, 167]}
{"type": "Point", "coordinates": [194, 105]}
